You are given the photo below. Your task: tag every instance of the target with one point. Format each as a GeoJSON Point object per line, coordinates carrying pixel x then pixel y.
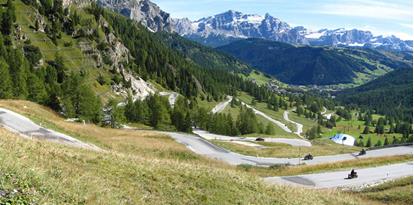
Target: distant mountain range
{"type": "Point", "coordinates": [226, 27]}
{"type": "Point", "coordinates": [306, 65]}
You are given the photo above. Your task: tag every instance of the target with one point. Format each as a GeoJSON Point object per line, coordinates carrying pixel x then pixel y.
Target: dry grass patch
{"type": "Point", "coordinates": [393, 192]}
{"type": "Point", "coordinates": [307, 169]}
{"type": "Point", "coordinates": [39, 172]}
{"type": "Point", "coordinates": [133, 142]}
{"type": "Point", "coordinates": [320, 147]}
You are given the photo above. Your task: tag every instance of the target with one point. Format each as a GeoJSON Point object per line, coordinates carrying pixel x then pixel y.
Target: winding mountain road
{"type": "Point", "coordinates": [221, 106]}
{"type": "Point", "coordinates": [327, 116]}
{"type": "Point", "coordinates": [293, 142]}
{"type": "Point", "coordinates": [172, 97]}
{"type": "Point", "coordinates": [206, 148]}
{"type": "Point", "coordinates": [25, 127]}
{"type": "Point", "coordinates": [278, 123]}
{"type": "Point", "coordinates": [336, 179]}
{"type": "Point", "coordinates": [299, 127]}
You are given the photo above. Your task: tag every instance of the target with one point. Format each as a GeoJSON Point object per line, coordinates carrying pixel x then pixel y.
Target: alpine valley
{"type": "Point", "coordinates": [115, 102]}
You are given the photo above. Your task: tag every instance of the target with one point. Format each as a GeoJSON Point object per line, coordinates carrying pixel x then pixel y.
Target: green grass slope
{"type": "Point", "coordinates": [391, 94]}
{"type": "Point", "coordinates": [139, 168]}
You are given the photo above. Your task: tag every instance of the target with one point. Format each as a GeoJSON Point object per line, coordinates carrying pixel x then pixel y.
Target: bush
{"type": "Point", "coordinates": [68, 44]}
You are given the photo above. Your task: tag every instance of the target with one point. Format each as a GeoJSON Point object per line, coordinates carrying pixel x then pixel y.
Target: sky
{"type": "Point", "coordinates": [382, 17]}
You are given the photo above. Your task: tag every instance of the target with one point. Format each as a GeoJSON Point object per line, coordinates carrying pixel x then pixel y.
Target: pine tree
{"type": "Point", "coordinates": [392, 129]}
{"type": "Point", "coordinates": [366, 130]}
{"type": "Point", "coordinates": [369, 143]}
{"type": "Point", "coordinates": [394, 140]}
{"type": "Point", "coordinates": [158, 110]}
{"type": "Point", "coordinates": [299, 110]}
{"type": "Point", "coordinates": [8, 17]}
{"type": "Point", "coordinates": [361, 143]}
{"type": "Point", "coordinates": [117, 114]}
{"type": "Point", "coordinates": [5, 81]}
{"type": "Point", "coordinates": [386, 142]}
{"type": "Point", "coordinates": [37, 90]}
{"type": "Point", "coordinates": [89, 105]}
{"type": "Point", "coordinates": [356, 143]}
{"type": "Point", "coordinates": [270, 130]}
{"type": "Point", "coordinates": [379, 143]}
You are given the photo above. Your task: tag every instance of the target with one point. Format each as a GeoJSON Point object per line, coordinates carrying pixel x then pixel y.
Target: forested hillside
{"type": "Point", "coordinates": [391, 94]}
{"type": "Point", "coordinates": [313, 65]}
{"type": "Point", "coordinates": [24, 74]}
{"type": "Point", "coordinates": [204, 56]}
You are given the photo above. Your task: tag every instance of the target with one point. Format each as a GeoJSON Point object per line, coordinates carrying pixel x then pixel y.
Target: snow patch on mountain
{"type": "Point", "coordinates": [232, 25]}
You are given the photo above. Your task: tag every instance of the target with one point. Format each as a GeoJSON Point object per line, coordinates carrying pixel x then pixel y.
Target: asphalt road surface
{"type": "Point", "coordinates": [337, 179]}
{"type": "Point", "coordinates": [293, 142]}
{"type": "Point", "coordinates": [204, 147]}
{"type": "Point", "coordinates": [221, 106]}
{"type": "Point", "coordinates": [299, 127]}
{"type": "Point", "coordinates": [25, 127]}
{"type": "Point", "coordinates": [280, 124]}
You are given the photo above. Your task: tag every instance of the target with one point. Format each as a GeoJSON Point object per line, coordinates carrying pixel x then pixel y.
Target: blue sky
{"type": "Point", "coordinates": [382, 17]}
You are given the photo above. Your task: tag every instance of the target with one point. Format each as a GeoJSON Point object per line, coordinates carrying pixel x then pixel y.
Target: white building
{"type": "Point", "coordinates": [343, 139]}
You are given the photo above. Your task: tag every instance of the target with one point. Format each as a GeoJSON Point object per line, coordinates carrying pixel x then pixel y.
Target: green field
{"type": "Point", "coordinates": [355, 128]}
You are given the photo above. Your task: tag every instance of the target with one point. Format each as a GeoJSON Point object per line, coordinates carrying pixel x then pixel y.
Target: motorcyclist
{"type": "Point", "coordinates": [353, 172]}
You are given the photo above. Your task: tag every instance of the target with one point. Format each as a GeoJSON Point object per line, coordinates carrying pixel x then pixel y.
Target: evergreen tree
{"type": "Point", "coordinates": [386, 142]}
{"type": "Point", "coordinates": [366, 130]}
{"type": "Point", "coordinates": [394, 140]}
{"type": "Point", "coordinates": [361, 143]}
{"type": "Point", "coordinates": [89, 105]}
{"type": "Point", "coordinates": [379, 129]}
{"type": "Point", "coordinates": [116, 114]}
{"type": "Point", "coordinates": [356, 143]}
{"type": "Point", "coordinates": [8, 17]}
{"type": "Point", "coordinates": [247, 122]}
{"type": "Point", "coordinates": [5, 81]}
{"type": "Point", "coordinates": [37, 90]}
{"type": "Point", "coordinates": [369, 143]}
{"type": "Point", "coordinates": [379, 143]}
{"type": "Point", "coordinates": [158, 109]}
{"type": "Point", "coordinates": [299, 110]}
{"type": "Point", "coordinates": [392, 129]}
{"type": "Point", "coordinates": [270, 130]}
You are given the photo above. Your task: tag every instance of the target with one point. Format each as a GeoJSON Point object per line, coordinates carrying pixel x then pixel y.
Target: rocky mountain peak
{"type": "Point", "coordinates": [144, 11]}
{"type": "Point", "coordinates": [231, 25]}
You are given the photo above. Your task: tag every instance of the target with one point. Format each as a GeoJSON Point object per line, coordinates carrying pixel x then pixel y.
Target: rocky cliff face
{"type": "Point", "coordinates": [144, 11]}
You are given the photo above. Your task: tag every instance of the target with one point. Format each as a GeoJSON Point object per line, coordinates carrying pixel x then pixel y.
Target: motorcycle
{"type": "Point", "coordinates": [362, 152]}
{"type": "Point", "coordinates": [352, 175]}
{"type": "Point", "coordinates": [308, 157]}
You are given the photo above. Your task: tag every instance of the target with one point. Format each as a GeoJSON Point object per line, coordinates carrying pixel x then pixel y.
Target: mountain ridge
{"type": "Point", "coordinates": [238, 25]}
{"type": "Point", "coordinates": [224, 28]}
{"type": "Point", "coordinates": [305, 65]}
